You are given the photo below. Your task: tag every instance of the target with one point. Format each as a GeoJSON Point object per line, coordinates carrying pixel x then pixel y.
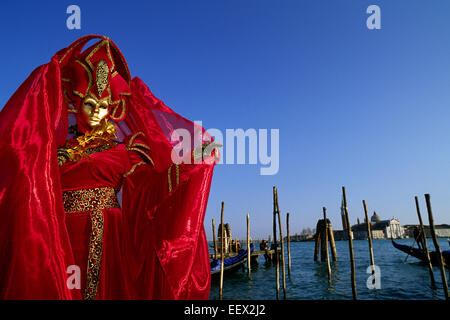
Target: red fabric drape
{"type": "Point", "coordinates": [34, 246]}
{"type": "Point", "coordinates": [169, 240]}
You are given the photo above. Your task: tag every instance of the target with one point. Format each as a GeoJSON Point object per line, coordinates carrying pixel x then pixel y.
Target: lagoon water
{"type": "Point", "coordinates": [400, 280]}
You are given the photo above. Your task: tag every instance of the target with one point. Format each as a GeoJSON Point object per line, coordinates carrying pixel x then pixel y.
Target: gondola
{"type": "Point", "coordinates": [420, 254]}
{"type": "Point", "coordinates": [231, 264]}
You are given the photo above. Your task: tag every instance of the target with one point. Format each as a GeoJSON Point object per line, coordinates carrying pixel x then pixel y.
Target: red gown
{"type": "Point", "coordinates": [87, 185]}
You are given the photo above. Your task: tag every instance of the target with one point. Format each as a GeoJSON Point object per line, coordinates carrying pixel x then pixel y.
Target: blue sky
{"type": "Point", "coordinates": [365, 109]}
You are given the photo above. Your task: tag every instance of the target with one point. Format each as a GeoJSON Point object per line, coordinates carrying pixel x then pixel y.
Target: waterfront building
{"type": "Point", "coordinates": [381, 229]}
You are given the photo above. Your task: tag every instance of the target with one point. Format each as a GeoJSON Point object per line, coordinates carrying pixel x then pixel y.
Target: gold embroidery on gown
{"type": "Point", "coordinates": [93, 200]}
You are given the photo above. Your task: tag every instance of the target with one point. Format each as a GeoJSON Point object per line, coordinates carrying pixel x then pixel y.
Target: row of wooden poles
{"type": "Point", "coordinates": [327, 236]}
{"type": "Point", "coordinates": [222, 249]}
{"type": "Point", "coordinates": [276, 213]}
{"type": "Point", "coordinates": [327, 231]}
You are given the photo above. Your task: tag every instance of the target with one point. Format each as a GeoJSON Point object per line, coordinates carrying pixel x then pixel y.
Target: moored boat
{"type": "Point", "coordinates": [421, 255]}
{"type": "Point", "coordinates": [230, 264]}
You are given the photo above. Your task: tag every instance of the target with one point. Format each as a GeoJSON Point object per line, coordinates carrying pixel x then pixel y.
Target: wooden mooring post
{"type": "Point", "coordinates": [248, 246]}
{"type": "Point", "coordinates": [214, 239]}
{"type": "Point", "coordinates": [321, 240]}
{"type": "Point", "coordinates": [282, 246]}
{"type": "Point", "coordinates": [436, 246]}
{"type": "Point", "coordinates": [326, 243]}
{"type": "Point", "coordinates": [277, 257]}
{"type": "Point", "coordinates": [316, 244]}
{"type": "Point", "coordinates": [350, 246]}
{"type": "Point", "coordinates": [288, 244]}
{"type": "Point", "coordinates": [425, 245]}
{"type": "Point", "coordinates": [334, 256]}
{"type": "Point", "coordinates": [222, 240]}
{"type": "Point", "coordinates": [369, 237]}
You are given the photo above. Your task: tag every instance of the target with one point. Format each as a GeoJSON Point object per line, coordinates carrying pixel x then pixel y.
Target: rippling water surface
{"type": "Point", "coordinates": [400, 280]}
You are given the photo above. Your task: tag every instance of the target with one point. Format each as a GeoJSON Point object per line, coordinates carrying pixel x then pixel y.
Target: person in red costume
{"type": "Point", "coordinates": [93, 202]}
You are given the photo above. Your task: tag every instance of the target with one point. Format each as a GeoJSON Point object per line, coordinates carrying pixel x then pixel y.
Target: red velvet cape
{"type": "Point", "coordinates": [165, 241]}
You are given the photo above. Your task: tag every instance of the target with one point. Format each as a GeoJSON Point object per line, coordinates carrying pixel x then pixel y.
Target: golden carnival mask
{"type": "Point", "coordinates": [94, 111]}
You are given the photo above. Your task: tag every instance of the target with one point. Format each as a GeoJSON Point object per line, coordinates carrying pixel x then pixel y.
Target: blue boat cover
{"type": "Point", "coordinates": [215, 263]}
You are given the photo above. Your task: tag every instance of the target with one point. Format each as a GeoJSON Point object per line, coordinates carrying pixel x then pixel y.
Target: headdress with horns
{"type": "Point", "coordinates": [100, 72]}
